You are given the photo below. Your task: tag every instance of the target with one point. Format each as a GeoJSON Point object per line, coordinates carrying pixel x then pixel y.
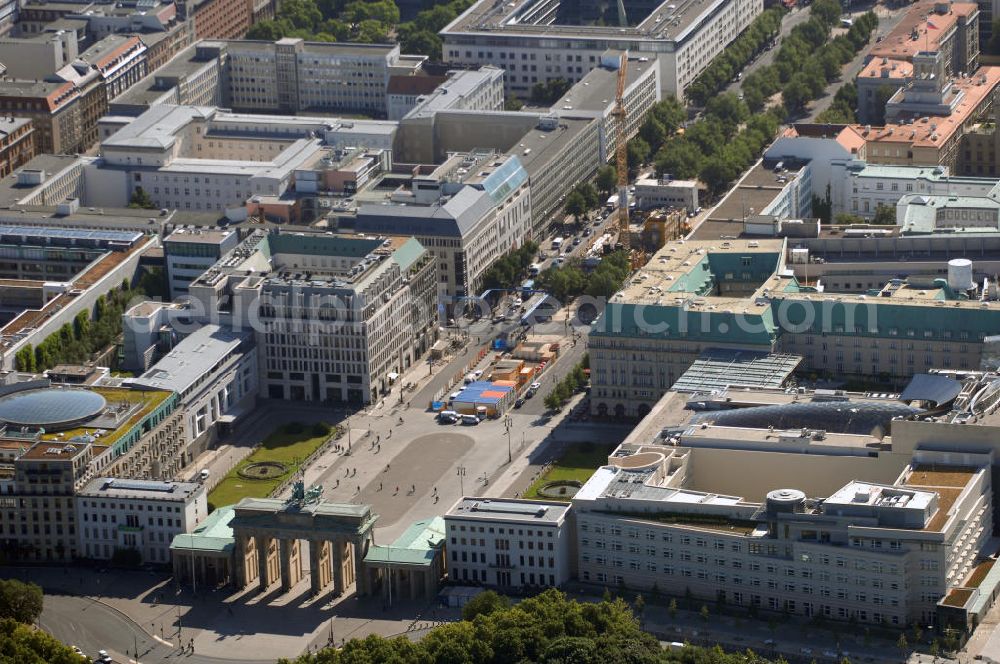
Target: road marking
{"type": "Point", "coordinates": [163, 641]}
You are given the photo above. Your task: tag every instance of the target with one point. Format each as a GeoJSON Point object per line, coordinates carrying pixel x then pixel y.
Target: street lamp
{"type": "Point", "coordinates": [461, 479]}
{"type": "Point", "coordinates": [507, 423]}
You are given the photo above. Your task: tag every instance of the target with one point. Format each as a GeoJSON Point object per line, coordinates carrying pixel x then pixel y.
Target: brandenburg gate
{"type": "Point", "coordinates": [269, 534]}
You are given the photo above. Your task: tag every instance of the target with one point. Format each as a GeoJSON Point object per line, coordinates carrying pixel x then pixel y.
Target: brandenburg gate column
{"type": "Point", "coordinates": [338, 565]}
{"type": "Point", "coordinates": [319, 565]}
{"type": "Point", "coordinates": [263, 553]}
{"type": "Point", "coordinates": [291, 565]}
{"type": "Point", "coordinates": [360, 549]}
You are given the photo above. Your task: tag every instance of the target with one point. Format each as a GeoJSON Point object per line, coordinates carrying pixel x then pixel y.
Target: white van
{"type": "Point", "coordinates": [204, 474]}
{"type": "Point", "coordinates": [470, 419]}
{"type": "Point", "coordinates": [535, 269]}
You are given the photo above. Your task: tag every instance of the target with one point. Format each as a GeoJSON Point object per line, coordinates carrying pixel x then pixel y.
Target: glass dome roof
{"type": "Point", "coordinates": [50, 408]}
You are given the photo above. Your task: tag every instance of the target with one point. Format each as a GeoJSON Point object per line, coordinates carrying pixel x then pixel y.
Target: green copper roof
{"type": "Point", "coordinates": [212, 534]}
{"type": "Point", "coordinates": [408, 254]}
{"type": "Point", "coordinates": [416, 546]}
{"type": "Point", "coordinates": [675, 322]}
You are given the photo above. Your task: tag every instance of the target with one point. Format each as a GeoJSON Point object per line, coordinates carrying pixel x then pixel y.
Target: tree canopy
{"type": "Point", "coordinates": [20, 601]}
{"type": "Point", "coordinates": [22, 644]}
{"type": "Point", "coordinates": [548, 629]}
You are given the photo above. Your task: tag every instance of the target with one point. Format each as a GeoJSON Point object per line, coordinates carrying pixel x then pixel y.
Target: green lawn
{"type": "Point", "coordinates": [578, 463]}
{"type": "Point", "coordinates": [283, 446]}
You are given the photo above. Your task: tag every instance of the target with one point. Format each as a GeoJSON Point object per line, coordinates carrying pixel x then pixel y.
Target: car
{"type": "Point", "coordinates": [576, 241]}
{"type": "Point", "coordinates": [519, 402]}
{"type": "Point", "coordinates": [77, 650]}
{"type": "Point", "coordinates": [517, 301]}
{"type": "Point", "coordinates": [470, 419]}
{"type": "Point", "coordinates": [478, 373]}
{"type": "Point", "coordinates": [456, 394]}
{"type": "Point", "coordinates": [535, 386]}
{"type": "Point", "coordinates": [586, 232]}
{"type": "Point", "coordinates": [829, 653]}
{"type": "Point", "coordinates": [768, 642]}
{"type": "Point", "coordinates": [468, 379]}
{"type": "Point", "coordinates": [447, 419]}
{"type": "Point", "coordinates": [598, 222]}
{"type": "Point", "coordinates": [529, 394]}
{"type": "Point", "coordinates": [806, 651]}
{"type": "Point", "coordinates": [558, 260]}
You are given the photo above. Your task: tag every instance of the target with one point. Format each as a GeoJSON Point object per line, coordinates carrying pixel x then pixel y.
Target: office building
{"type": "Point", "coordinates": [214, 372]}
{"type": "Point", "coordinates": [292, 76]}
{"type": "Point", "coordinates": [951, 28]}
{"type": "Point", "coordinates": [515, 544]}
{"type": "Point", "coordinates": [189, 252]}
{"type": "Point", "coordinates": [66, 437]}
{"type": "Point", "coordinates": [536, 43]}
{"type": "Point", "coordinates": [137, 518]}
{"type": "Point", "coordinates": [17, 145]}
{"type": "Point", "coordinates": [335, 318]}
{"type": "Point", "coordinates": [651, 192]}
{"type": "Point", "coordinates": [468, 212]}
{"type": "Point", "coordinates": [850, 319]}
{"type": "Point", "coordinates": [927, 119]}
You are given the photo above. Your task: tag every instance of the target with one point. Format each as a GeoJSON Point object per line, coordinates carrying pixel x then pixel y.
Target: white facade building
{"type": "Point", "coordinates": [652, 193]}
{"type": "Point", "coordinates": [189, 252]}
{"type": "Point", "coordinates": [142, 515]}
{"type": "Point", "coordinates": [521, 37]}
{"type": "Point", "coordinates": [863, 188]}
{"type": "Point", "coordinates": [215, 372]}
{"type": "Point", "coordinates": [508, 543]}
{"type": "Point", "coordinates": [468, 212]}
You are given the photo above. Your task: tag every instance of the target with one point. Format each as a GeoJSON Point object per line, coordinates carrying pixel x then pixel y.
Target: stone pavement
{"type": "Point", "coordinates": [243, 627]}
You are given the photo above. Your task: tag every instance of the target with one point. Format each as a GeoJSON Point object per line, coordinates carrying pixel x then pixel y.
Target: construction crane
{"type": "Point", "coordinates": [621, 148]}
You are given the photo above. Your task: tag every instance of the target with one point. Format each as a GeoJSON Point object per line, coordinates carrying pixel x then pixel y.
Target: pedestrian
{"type": "Point", "coordinates": [337, 484]}
{"type": "Point", "coordinates": [397, 490]}
{"type": "Point", "coordinates": [413, 487]}
{"type": "Point", "coordinates": [359, 489]}
{"type": "Point", "coordinates": [347, 471]}
{"type": "Point", "coordinates": [379, 486]}
{"type": "Point", "coordinates": [354, 472]}
{"type": "Point", "coordinates": [387, 468]}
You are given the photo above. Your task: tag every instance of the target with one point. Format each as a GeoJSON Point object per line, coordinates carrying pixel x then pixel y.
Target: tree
{"type": "Point", "coordinates": [882, 95]}
{"type": "Point", "coordinates": [994, 44]}
{"type": "Point", "coordinates": [607, 179]}
{"type": "Point", "coordinates": [576, 204]}
{"type": "Point", "coordinates": [638, 153]}
{"type": "Point", "coordinates": [484, 604]}
{"type": "Point", "coordinates": [934, 649]}
{"type": "Point", "coordinates": [729, 108]}
{"type": "Point", "coordinates": [672, 608]}
{"type": "Point", "coordinates": [552, 401]}
{"type": "Point", "coordinates": [795, 94]}
{"type": "Point", "coordinates": [590, 195]}
{"type": "Point", "coordinates": [885, 216]}
{"type": "Point", "coordinates": [20, 601]}
{"type": "Point", "coordinates": [704, 612]}
{"type": "Point", "coordinates": [903, 644]}
{"type": "Point", "coordinates": [512, 103]}
{"type": "Point", "coordinates": [639, 607]}
{"type": "Point", "coordinates": [140, 199]}
{"type": "Point", "coordinates": [423, 42]}
{"type": "Point", "coordinates": [21, 644]}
